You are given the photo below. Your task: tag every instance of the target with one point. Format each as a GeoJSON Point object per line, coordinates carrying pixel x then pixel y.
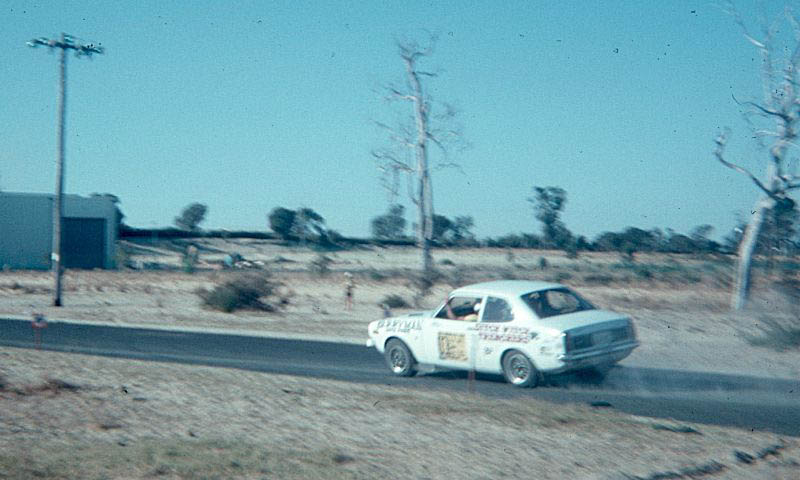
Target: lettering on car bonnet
{"type": "Point", "coordinates": [400, 324]}
{"type": "Point", "coordinates": [504, 333]}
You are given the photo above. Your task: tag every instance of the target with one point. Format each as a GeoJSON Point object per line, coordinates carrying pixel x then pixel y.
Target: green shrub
{"type": "Point", "coordinates": [446, 262]}
{"type": "Point", "coordinates": [247, 291]}
{"type": "Point", "coordinates": [394, 301]}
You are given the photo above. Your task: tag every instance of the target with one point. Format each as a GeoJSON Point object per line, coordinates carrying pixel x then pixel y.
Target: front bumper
{"type": "Point", "coordinates": [370, 343]}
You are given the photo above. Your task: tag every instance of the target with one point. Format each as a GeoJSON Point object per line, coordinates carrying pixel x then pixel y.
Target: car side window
{"type": "Point", "coordinates": [497, 310]}
{"type": "Point", "coordinates": [461, 308]}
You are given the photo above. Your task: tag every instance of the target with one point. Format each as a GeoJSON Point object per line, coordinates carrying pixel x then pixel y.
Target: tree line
{"type": "Point", "coordinates": [305, 226]}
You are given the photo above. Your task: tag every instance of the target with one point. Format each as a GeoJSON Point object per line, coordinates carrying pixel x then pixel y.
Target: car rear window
{"type": "Point", "coordinates": [556, 301]}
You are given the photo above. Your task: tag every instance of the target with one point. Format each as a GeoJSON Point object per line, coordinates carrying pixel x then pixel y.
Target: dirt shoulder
{"type": "Point", "coordinates": [75, 416]}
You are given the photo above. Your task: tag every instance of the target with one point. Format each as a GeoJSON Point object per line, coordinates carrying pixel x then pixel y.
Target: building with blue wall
{"type": "Point", "coordinates": [89, 231]}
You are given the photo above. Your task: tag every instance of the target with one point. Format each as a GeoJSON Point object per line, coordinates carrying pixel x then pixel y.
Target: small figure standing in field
{"type": "Point", "coordinates": [190, 258]}
{"type": "Point", "coordinates": [349, 286]}
{"type": "Point", "coordinates": [38, 323]}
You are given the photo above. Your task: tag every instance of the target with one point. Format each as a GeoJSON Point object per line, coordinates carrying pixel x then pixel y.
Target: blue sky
{"type": "Point", "coordinates": [245, 106]}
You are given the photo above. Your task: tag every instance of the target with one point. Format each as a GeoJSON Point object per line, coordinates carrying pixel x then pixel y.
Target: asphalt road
{"type": "Point", "coordinates": [710, 398]}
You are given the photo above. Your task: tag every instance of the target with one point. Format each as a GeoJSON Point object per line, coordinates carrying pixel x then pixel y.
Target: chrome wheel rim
{"type": "Point", "coordinates": [398, 359]}
{"type": "Point", "coordinates": [518, 369]}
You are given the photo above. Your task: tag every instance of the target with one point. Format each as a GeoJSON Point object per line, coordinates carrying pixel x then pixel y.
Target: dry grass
{"type": "Point", "coordinates": [132, 419]}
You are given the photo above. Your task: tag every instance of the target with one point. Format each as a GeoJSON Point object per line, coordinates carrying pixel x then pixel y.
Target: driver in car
{"type": "Point", "coordinates": [470, 317]}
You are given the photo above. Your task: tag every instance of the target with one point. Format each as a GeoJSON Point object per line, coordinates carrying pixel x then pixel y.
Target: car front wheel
{"type": "Point", "coordinates": [399, 358]}
{"type": "Point", "coordinates": [518, 370]}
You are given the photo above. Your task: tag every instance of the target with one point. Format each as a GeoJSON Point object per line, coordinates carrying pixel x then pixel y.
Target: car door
{"type": "Point", "coordinates": [494, 333]}
{"type": "Point", "coordinates": [450, 341]}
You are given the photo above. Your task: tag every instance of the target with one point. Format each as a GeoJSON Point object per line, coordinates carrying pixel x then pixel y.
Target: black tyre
{"type": "Point", "coordinates": [519, 370]}
{"type": "Point", "coordinates": [399, 358]}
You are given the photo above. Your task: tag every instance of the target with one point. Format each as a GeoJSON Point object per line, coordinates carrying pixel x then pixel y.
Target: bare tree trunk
{"type": "Point", "coordinates": [427, 258]}
{"type": "Point", "coordinates": [747, 248]}
{"type": "Point", "coordinates": [423, 237]}
{"type": "Point", "coordinates": [424, 193]}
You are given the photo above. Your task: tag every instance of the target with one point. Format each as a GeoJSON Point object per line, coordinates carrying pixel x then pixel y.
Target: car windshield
{"type": "Point", "coordinates": [556, 301]}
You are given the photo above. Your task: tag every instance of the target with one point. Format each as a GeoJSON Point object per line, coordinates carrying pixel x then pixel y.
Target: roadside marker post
{"type": "Point", "coordinates": [37, 324]}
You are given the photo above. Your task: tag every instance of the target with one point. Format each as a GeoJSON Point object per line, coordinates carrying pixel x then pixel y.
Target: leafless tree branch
{"type": "Point", "coordinates": [719, 152]}
{"type": "Point", "coordinates": [761, 108]}
{"type": "Point", "coordinates": [454, 165]}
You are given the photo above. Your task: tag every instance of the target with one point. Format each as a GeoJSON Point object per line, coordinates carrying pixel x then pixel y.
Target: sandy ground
{"type": "Point", "coordinates": [130, 419]}
{"type": "Point", "coordinates": [74, 416]}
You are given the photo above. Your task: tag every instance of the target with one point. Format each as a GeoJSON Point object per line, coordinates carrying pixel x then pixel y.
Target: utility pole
{"type": "Point", "coordinates": [66, 42]}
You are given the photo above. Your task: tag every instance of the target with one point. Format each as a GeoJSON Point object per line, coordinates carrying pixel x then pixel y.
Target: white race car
{"type": "Point", "coordinates": [522, 329]}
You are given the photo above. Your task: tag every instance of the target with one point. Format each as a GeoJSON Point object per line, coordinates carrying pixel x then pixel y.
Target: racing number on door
{"type": "Point", "coordinates": [453, 346]}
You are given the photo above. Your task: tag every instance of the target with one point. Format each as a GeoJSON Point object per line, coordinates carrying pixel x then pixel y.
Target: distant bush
{"type": "Point", "coordinates": [391, 225]}
{"type": "Point", "coordinates": [598, 278]}
{"type": "Point", "coordinates": [643, 272]}
{"type": "Point", "coordinates": [122, 258]}
{"type": "Point", "coordinates": [543, 264]}
{"type": "Point", "coordinates": [562, 277]}
{"type": "Point", "coordinates": [376, 275]}
{"type": "Point", "coordinates": [513, 240]}
{"type": "Point", "coordinates": [320, 265]}
{"type": "Point", "coordinates": [281, 259]}
{"type": "Point", "coordinates": [394, 301]}
{"type": "Point", "coordinates": [447, 262]}
{"type": "Point", "coordinates": [458, 277]}
{"type": "Point", "coordinates": [281, 220]}
{"type": "Point", "coordinates": [247, 291]}
{"type": "Point", "coordinates": [572, 250]}
{"type": "Point", "coordinates": [776, 334]}
{"type": "Point", "coordinates": [191, 217]}
{"type": "Point", "coordinates": [422, 283]}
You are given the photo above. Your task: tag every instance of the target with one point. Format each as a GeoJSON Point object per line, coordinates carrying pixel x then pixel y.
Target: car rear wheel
{"type": "Point", "coordinates": [399, 358]}
{"type": "Point", "coordinates": [519, 370]}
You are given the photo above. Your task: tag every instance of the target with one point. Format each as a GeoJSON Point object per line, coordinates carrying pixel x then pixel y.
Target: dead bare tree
{"type": "Point", "coordinates": [780, 109]}
{"type": "Point", "coordinates": [409, 144]}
